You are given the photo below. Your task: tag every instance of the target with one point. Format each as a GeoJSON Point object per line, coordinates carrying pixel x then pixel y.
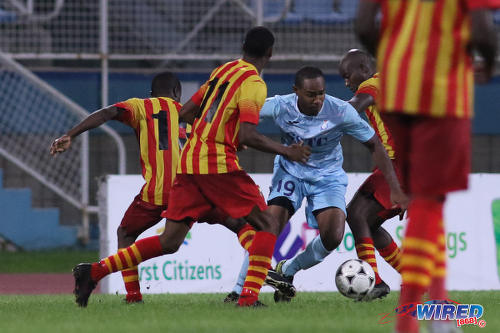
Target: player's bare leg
{"type": "Point", "coordinates": [387, 248]}
{"type": "Point", "coordinates": [88, 275]}
{"type": "Point", "coordinates": [331, 223]}
{"type": "Point", "coordinates": [273, 279]}
{"type": "Point", "coordinates": [130, 275]}
{"type": "Point", "coordinates": [363, 211]}
{"type": "Point", "coordinates": [260, 254]}
{"type": "Point", "coordinates": [245, 237]}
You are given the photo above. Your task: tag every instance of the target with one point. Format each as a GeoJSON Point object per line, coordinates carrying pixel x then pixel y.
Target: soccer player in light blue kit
{"type": "Point", "coordinates": [318, 120]}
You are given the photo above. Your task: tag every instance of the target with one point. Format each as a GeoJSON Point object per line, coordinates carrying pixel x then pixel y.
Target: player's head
{"type": "Point", "coordinates": [166, 84]}
{"type": "Point", "coordinates": [258, 43]}
{"type": "Point", "coordinates": [310, 89]}
{"type": "Point", "coordinates": [356, 66]}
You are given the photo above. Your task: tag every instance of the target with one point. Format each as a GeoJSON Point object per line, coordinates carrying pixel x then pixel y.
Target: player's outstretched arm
{"type": "Point", "coordinates": [249, 136]}
{"type": "Point", "coordinates": [188, 112]}
{"type": "Point", "coordinates": [382, 161]}
{"type": "Point", "coordinates": [365, 26]}
{"type": "Point", "coordinates": [94, 120]}
{"type": "Point", "coordinates": [361, 102]}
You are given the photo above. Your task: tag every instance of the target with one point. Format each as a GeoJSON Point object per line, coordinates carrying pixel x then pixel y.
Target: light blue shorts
{"type": "Point", "coordinates": [329, 191]}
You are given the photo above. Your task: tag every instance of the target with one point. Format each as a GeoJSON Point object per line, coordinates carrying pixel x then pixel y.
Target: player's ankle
{"type": "Point", "coordinates": [133, 297]}
{"type": "Point", "coordinates": [97, 272]}
{"type": "Point", "coordinates": [247, 297]}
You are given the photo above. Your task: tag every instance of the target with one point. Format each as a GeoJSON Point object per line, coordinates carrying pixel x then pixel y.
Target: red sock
{"type": "Point", "coordinates": [246, 235]}
{"type": "Point", "coordinates": [129, 257]}
{"type": "Point", "coordinates": [366, 252]}
{"type": "Point", "coordinates": [417, 261]}
{"type": "Point", "coordinates": [260, 254]}
{"type": "Point", "coordinates": [406, 323]}
{"type": "Point", "coordinates": [131, 280]}
{"type": "Point", "coordinates": [392, 255]}
{"type": "Point", "coordinates": [437, 289]}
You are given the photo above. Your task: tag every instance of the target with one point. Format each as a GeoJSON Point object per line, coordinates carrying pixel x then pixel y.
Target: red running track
{"type": "Point", "coordinates": [35, 284]}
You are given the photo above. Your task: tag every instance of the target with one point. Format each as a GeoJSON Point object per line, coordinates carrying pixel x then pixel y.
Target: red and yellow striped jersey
{"type": "Point", "coordinates": [156, 124]}
{"type": "Point", "coordinates": [422, 57]}
{"type": "Point", "coordinates": [371, 87]}
{"type": "Point", "coordinates": [233, 94]}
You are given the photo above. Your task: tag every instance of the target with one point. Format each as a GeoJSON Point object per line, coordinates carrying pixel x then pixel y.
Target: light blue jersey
{"type": "Point", "coordinates": [321, 180]}
{"type": "Point", "coordinates": [321, 132]}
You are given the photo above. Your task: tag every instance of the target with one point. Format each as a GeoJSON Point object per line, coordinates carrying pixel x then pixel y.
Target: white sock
{"type": "Point", "coordinates": [314, 253]}
{"type": "Point", "coordinates": [238, 287]}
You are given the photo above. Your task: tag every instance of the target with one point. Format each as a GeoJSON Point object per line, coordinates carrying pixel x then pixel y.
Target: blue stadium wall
{"type": "Point", "coordinates": [84, 88]}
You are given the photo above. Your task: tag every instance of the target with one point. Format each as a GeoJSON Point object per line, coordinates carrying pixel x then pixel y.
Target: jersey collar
{"type": "Point", "coordinates": [249, 65]}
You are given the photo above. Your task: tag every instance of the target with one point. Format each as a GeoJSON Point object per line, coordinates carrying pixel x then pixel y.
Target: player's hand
{"type": "Point", "coordinates": [402, 214]}
{"type": "Point", "coordinates": [482, 73]}
{"type": "Point", "coordinates": [242, 147]}
{"type": "Point", "coordinates": [60, 145]}
{"type": "Point", "coordinates": [401, 200]}
{"type": "Point", "coordinates": [298, 152]}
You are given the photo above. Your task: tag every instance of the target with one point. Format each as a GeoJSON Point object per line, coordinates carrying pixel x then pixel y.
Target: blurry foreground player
{"type": "Point", "coordinates": [224, 113]}
{"type": "Point", "coordinates": [424, 53]}
{"type": "Point", "coordinates": [156, 124]}
{"type": "Point", "coordinates": [371, 205]}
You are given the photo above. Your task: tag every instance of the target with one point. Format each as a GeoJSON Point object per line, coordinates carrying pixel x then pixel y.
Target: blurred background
{"type": "Point", "coordinates": [60, 59]}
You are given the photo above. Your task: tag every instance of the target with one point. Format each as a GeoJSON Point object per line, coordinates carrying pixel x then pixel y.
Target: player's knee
{"type": "Point", "coordinates": [332, 239]}
{"type": "Point", "coordinates": [234, 224]}
{"type": "Point", "coordinates": [354, 215]}
{"type": "Point", "coordinates": [271, 223]}
{"type": "Point", "coordinates": [374, 227]}
{"type": "Point", "coordinates": [264, 221]}
{"type": "Point", "coordinates": [170, 247]}
{"type": "Point", "coordinates": [121, 233]}
{"type": "Point", "coordinates": [170, 244]}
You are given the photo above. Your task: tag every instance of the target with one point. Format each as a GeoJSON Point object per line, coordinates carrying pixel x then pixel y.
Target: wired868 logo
{"type": "Point", "coordinates": [464, 314]}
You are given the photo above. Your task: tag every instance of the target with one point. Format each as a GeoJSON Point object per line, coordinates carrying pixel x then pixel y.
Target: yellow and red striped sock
{"type": "Point", "coordinates": [260, 254]}
{"type": "Point", "coordinates": [392, 255]}
{"type": "Point", "coordinates": [246, 235]}
{"type": "Point", "coordinates": [437, 289]}
{"type": "Point", "coordinates": [417, 261]}
{"type": "Point", "coordinates": [366, 252]}
{"type": "Point", "coordinates": [131, 279]}
{"type": "Point", "coordinates": [129, 257]}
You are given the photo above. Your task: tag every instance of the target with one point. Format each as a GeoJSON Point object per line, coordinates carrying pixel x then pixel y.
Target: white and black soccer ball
{"type": "Point", "coordinates": [355, 278]}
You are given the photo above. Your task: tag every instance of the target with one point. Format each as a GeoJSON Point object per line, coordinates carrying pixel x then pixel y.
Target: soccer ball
{"type": "Point", "coordinates": [355, 278]}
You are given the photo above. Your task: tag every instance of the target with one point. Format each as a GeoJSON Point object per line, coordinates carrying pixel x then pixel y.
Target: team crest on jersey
{"type": "Point", "coordinates": [324, 125]}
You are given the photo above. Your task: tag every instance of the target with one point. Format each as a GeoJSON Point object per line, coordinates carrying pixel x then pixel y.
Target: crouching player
{"type": "Point", "coordinates": [371, 205]}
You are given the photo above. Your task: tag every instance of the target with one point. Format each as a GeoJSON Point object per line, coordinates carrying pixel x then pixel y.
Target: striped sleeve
{"type": "Point", "coordinates": [368, 87]}
{"type": "Point", "coordinates": [131, 115]}
{"type": "Point", "coordinates": [197, 98]}
{"type": "Point", "coordinates": [252, 97]}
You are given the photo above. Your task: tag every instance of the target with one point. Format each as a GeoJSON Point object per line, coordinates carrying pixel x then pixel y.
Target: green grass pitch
{"type": "Point", "coordinates": [308, 312]}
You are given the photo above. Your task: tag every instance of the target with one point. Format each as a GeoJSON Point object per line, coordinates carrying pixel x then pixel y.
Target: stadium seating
{"type": "Point", "coordinates": [273, 10]}
{"type": "Point", "coordinates": [318, 11]}
{"type": "Point", "coordinates": [6, 16]}
{"type": "Point", "coordinates": [31, 228]}
{"type": "Point", "coordinates": [327, 11]}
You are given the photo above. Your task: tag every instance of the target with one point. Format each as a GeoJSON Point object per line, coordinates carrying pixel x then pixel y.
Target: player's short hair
{"type": "Point", "coordinates": [307, 72]}
{"type": "Point", "coordinates": [166, 82]}
{"type": "Point", "coordinates": [363, 57]}
{"type": "Point", "coordinates": [257, 42]}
